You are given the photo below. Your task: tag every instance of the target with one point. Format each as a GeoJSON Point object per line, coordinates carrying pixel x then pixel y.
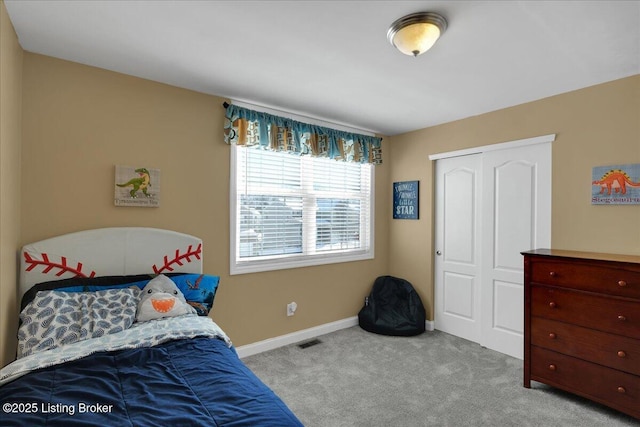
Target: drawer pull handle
{"type": "Point", "coordinates": [553, 274]}
{"type": "Point", "coordinates": [622, 283]}
{"type": "Point", "coordinates": [621, 390]}
{"type": "Point", "coordinates": [552, 304]}
{"type": "Point", "coordinates": [622, 354]}
{"type": "Point", "coordinates": [552, 367]}
{"type": "Point", "coordinates": [552, 336]}
{"type": "Point", "coordinates": [622, 318]}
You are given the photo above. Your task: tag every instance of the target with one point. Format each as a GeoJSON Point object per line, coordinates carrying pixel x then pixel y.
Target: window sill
{"type": "Point", "coordinates": [258, 266]}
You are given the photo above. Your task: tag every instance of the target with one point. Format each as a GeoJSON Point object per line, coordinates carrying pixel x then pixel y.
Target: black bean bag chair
{"type": "Point", "coordinates": [392, 308]}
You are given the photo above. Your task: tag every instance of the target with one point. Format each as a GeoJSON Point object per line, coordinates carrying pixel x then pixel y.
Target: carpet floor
{"type": "Point", "coordinates": [356, 378]}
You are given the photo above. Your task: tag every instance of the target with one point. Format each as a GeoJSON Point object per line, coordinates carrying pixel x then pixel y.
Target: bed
{"type": "Point", "coordinates": [87, 358]}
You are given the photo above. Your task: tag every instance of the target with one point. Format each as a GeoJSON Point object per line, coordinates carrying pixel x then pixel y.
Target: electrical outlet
{"type": "Point", "coordinates": [291, 308]}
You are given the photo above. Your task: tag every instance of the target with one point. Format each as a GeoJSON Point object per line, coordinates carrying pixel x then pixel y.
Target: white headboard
{"type": "Point", "coordinates": [109, 252]}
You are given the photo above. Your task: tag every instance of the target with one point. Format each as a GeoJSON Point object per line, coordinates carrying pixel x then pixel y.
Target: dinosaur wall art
{"type": "Point", "coordinates": [618, 184]}
{"type": "Point", "coordinates": [137, 186]}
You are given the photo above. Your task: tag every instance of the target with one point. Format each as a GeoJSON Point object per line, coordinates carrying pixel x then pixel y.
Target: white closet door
{"type": "Point", "coordinates": [457, 262]}
{"type": "Point", "coordinates": [489, 207]}
{"type": "Point", "coordinates": [516, 217]}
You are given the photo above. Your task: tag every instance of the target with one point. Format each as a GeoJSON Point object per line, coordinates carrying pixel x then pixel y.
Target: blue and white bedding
{"type": "Point", "coordinates": [180, 371]}
{"type": "Point", "coordinates": [85, 358]}
{"type": "Point", "coordinates": [146, 334]}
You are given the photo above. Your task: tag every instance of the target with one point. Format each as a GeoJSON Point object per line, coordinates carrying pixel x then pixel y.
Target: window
{"type": "Point", "coordinates": [292, 211]}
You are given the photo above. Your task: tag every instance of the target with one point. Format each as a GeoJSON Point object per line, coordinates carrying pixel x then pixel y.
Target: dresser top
{"type": "Point", "coordinates": [584, 255]}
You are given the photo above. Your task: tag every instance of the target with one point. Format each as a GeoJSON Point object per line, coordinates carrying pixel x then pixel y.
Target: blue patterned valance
{"type": "Point", "coordinates": [253, 128]}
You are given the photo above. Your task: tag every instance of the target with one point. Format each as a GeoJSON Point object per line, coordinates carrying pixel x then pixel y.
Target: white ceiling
{"type": "Point", "coordinates": [331, 59]}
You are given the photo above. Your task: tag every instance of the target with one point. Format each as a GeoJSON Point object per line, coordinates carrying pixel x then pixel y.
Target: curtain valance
{"type": "Point", "coordinates": [258, 129]}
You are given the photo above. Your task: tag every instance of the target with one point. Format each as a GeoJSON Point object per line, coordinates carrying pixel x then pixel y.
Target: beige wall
{"type": "Point", "coordinates": [596, 126]}
{"type": "Point", "coordinates": [79, 122]}
{"type": "Point", "coordinates": [10, 137]}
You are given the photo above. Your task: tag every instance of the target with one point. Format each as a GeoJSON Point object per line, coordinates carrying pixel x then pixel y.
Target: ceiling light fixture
{"type": "Point", "coordinates": [415, 34]}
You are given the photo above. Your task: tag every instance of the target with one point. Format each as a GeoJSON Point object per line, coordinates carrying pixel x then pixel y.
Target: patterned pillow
{"type": "Point", "coordinates": [56, 318]}
{"type": "Point", "coordinates": [84, 284]}
{"type": "Point", "coordinates": [198, 289]}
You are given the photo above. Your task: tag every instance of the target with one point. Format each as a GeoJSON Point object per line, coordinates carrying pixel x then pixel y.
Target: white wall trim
{"type": "Point", "coordinates": [294, 337]}
{"type": "Point", "coordinates": [305, 334]}
{"type": "Point", "coordinates": [494, 147]}
{"type": "Point", "coordinates": [430, 325]}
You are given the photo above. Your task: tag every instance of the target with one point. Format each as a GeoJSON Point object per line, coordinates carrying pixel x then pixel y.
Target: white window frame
{"type": "Point", "coordinates": [237, 266]}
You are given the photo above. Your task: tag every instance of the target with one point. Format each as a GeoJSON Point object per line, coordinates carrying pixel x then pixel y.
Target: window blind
{"type": "Point", "coordinates": [296, 208]}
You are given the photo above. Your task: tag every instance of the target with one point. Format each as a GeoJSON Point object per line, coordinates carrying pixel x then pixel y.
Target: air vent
{"type": "Point", "coordinates": [308, 344]}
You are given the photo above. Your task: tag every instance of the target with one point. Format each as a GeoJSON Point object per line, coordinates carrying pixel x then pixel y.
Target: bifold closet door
{"type": "Point", "coordinates": [457, 261]}
{"type": "Point", "coordinates": [516, 217]}
{"type": "Point", "coordinates": [489, 207]}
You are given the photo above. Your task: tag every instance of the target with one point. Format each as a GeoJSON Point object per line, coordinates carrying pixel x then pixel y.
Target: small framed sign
{"type": "Point", "coordinates": [137, 186]}
{"type": "Point", "coordinates": [405, 200]}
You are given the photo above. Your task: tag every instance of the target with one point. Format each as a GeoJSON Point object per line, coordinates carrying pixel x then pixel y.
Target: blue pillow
{"type": "Point", "coordinates": [199, 290]}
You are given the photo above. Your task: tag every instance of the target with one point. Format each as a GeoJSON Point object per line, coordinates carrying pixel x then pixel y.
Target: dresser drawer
{"type": "Point", "coordinates": [600, 347]}
{"type": "Point", "coordinates": [606, 314]}
{"type": "Point", "coordinates": [621, 281]}
{"type": "Point", "coordinates": [609, 386]}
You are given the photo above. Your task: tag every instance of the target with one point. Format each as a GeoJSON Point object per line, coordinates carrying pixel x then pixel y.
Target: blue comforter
{"type": "Point", "coordinates": [184, 382]}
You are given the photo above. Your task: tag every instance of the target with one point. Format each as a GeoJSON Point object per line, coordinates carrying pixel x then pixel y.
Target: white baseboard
{"type": "Point", "coordinates": [305, 334]}
{"type": "Point", "coordinates": [430, 325]}
{"type": "Point", "coordinates": [294, 337]}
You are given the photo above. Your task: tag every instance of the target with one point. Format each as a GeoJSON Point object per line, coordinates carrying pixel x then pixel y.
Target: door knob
{"type": "Point", "coordinates": [438, 253]}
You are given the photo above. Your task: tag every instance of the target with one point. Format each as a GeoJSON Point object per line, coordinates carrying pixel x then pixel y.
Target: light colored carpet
{"type": "Point", "coordinates": [356, 378]}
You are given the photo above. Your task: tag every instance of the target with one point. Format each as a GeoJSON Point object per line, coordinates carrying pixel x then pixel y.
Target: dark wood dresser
{"type": "Point", "coordinates": [582, 325]}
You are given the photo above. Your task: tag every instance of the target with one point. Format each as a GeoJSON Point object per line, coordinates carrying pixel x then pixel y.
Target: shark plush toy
{"type": "Point", "coordinates": [162, 298]}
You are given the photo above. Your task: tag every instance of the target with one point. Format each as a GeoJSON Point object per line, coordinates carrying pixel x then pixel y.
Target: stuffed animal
{"type": "Point", "coordinates": [161, 298]}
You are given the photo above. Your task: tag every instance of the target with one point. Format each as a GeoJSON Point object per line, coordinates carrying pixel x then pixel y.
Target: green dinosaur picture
{"type": "Point", "coordinates": [137, 186]}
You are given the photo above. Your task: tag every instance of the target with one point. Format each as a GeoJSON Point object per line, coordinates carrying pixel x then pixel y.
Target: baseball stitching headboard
{"type": "Point", "coordinates": [109, 252]}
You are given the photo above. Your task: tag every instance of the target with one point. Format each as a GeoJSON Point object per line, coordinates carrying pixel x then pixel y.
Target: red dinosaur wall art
{"type": "Point", "coordinates": [619, 184]}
